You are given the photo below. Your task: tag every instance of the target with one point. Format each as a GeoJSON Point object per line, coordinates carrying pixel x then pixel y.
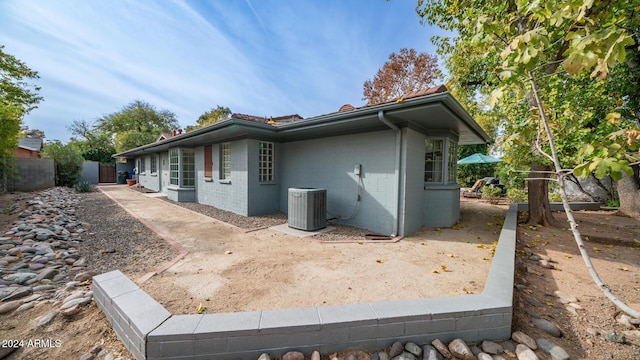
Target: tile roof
{"type": "Point", "coordinates": [344, 108]}
{"type": "Point", "coordinates": [268, 120]}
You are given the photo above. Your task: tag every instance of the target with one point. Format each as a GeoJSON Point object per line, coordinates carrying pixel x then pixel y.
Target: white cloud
{"type": "Point", "coordinates": [263, 58]}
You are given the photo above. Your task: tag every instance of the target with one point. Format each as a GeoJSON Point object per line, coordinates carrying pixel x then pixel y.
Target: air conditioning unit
{"type": "Point", "coordinates": [307, 208]}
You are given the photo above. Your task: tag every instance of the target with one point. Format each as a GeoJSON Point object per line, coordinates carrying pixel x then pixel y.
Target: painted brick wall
{"type": "Point", "coordinates": [228, 195]}
{"type": "Point", "coordinates": [263, 197]}
{"type": "Point", "coordinates": [437, 215]}
{"type": "Point", "coordinates": [329, 163]}
{"type": "Point", "coordinates": [147, 179]}
{"type": "Point", "coordinates": [412, 203]}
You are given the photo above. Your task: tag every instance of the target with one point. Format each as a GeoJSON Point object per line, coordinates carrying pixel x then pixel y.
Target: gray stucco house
{"type": "Point", "coordinates": [393, 164]}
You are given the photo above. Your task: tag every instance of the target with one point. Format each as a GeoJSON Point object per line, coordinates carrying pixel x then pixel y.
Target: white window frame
{"type": "Point", "coordinates": [142, 165]}
{"type": "Point", "coordinates": [225, 161]}
{"type": "Point", "coordinates": [182, 167]}
{"type": "Point", "coordinates": [187, 168]}
{"type": "Point", "coordinates": [266, 162]}
{"type": "Point", "coordinates": [442, 168]}
{"type": "Point", "coordinates": [174, 166]}
{"type": "Point", "coordinates": [154, 164]}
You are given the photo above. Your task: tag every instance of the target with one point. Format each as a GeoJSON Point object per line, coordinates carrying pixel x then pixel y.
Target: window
{"type": "Point", "coordinates": [225, 161]}
{"type": "Point", "coordinates": [188, 168]}
{"type": "Point", "coordinates": [154, 164]}
{"type": "Point", "coordinates": [208, 161]}
{"type": "Point", "coordinates": [433, 160]}
{"type": "Point", "coordinates": [174, 167]}
{"type": "Point", "coordinates": [452, 164]}
{"type": "Point", "coordinates": [141, 166]}
{"type": "Point", "coordinates": [440, 166]}
{"type": "Point", "coordinates": [265, 162]}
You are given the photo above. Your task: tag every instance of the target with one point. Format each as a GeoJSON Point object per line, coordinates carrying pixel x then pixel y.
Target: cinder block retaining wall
{"type": "Point", "coordinates": [149, 331]}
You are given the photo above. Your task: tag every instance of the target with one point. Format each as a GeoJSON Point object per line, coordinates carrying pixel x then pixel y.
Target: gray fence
{"type": "Point", "coordinates": [32, 174]}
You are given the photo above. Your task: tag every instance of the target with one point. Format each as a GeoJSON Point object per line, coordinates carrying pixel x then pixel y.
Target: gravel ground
{"type": "Point", "coordinates": [116, 240]}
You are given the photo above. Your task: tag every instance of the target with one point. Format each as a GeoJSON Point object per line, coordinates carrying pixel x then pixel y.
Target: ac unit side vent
{"type": "Point", "coordinates": [307, 209]}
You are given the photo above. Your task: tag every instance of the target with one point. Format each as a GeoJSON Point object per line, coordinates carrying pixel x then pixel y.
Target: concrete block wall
{"type": "Point", "coordinates": [228, 194]}
{"type": "Point", "coordinates": [150, 332]}
{"type": "Point", "coordinates": [437, 215]}
{"type": "Point", "coordinates": [148, 179]}
{"type": "Point", "coordinates": [263, 197]}
{"type": "Point", "coordinates": [34, 174]}
{"type": "Point", "coordinates": [328, 163]}
{"type": "Point", "coordinates": [412, 182]}
{"type": "Point", "coordinates": [132, 313]}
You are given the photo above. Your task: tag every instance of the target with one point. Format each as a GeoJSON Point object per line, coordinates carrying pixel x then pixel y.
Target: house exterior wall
{"type": "Point", "coordinates": [263, 197]}
{"type": "Point", "coordinates": [434, 213]}
{"type": "Point", "coordinates": [412, 182]}
{"type": "Point", "coordinates": [163, 163]}
{"type": "Point", "coordinates": [26, 153]}
{"type": "Point", "coordinates": [229, 194]}
{"type": "Point", "coordinates": [329, 163]}
{"type": "Point", "coordinates": [147, 179]}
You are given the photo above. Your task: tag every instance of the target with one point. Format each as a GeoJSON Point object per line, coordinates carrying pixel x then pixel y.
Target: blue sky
{"type": "Point", "coordinates": [266, 58]}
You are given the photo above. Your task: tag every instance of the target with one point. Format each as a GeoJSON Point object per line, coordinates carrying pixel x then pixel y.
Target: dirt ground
{"type": "Point", "coordinates": [613, 243]}
{"type": "Point", "coordinates": [292, 272]}
{"type": "Point", "coordinates": [270, 270]}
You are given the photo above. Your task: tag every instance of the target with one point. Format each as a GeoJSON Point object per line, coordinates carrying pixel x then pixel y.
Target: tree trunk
{"type": "Point", "coordinates": [629, 194]}
{"type": "Point", "coordinates": [539, 208]}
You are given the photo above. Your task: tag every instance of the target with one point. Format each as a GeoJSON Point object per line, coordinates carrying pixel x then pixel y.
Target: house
{"type": "Point", "coordinates": [29, 148]}
{"type": "Point", "coordinates": [389, 168]}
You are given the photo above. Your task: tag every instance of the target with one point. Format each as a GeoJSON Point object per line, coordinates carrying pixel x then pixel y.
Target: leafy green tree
{"type": "Point", "coordinates": [94, 144]}
{"type": "Point", "coordinates": [137, 124]}
{"type": "Point", "coordinates": [537, 50]}
{"type": "Point", "coordinates": [68, 160]}
{"type": "Point", "coordinates": [211, 117]}
{"type": "Point", "coordinates": [17, 98]}
{"type": "Point", "coordinates": [10, 116]}
{"type": "Point", "coordinates": [14, 85]}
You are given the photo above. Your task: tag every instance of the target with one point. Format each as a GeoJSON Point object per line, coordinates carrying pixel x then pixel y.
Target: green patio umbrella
{"type": "Point", "coordinates": [478, 158]}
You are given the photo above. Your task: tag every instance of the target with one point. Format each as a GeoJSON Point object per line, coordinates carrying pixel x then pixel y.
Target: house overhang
{"type": "Point", "coordinates": [436, 113]}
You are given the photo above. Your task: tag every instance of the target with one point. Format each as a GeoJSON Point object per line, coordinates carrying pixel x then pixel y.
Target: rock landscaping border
{"type": "Point", "coordinates": [149, 331]}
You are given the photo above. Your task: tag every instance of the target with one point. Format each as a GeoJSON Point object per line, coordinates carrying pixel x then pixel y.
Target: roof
{"type": "Point", "coordinates": [268, 120]}
{"type": "Point", "coordinates": [430, 111]}
{"type": "Point", "coordinates": [33, 144]}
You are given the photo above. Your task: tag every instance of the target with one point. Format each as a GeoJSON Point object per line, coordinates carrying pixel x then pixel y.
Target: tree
{"type": "Point", "coordinates": [542, 45]}
{"type": "Point", "coordinates": [403, 73]}
{"type": "Point", "coordinates": [137, 124]}
{"type": "Point", "coordinates": [25, 132]}
{"type": "Point", "coordinates": [211, 117]}
{"type": "Point", "coordinates": [94, 144]}
{"type": "Point", "coordinates": [68, 162]}
{"type": "Point", "coordinates": [17, 98]}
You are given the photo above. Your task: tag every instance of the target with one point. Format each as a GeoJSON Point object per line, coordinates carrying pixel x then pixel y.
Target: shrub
{"type": "Point", "coordinates": [555, 197]}
{"type": "Point", "coordinates": [492, 194]}
{"type": "Point", "coordinates": [68, 160]}
{"type": "Point", "coordinates": [614, 203]}
{"type": "Point", "coordinates": [84, 186]}
{"type": "Point", "coordinates": [517, 196]}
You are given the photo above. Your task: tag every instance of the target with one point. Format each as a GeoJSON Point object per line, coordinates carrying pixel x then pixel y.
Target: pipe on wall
{"type": "Point", "coordinates": [392, 126]}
